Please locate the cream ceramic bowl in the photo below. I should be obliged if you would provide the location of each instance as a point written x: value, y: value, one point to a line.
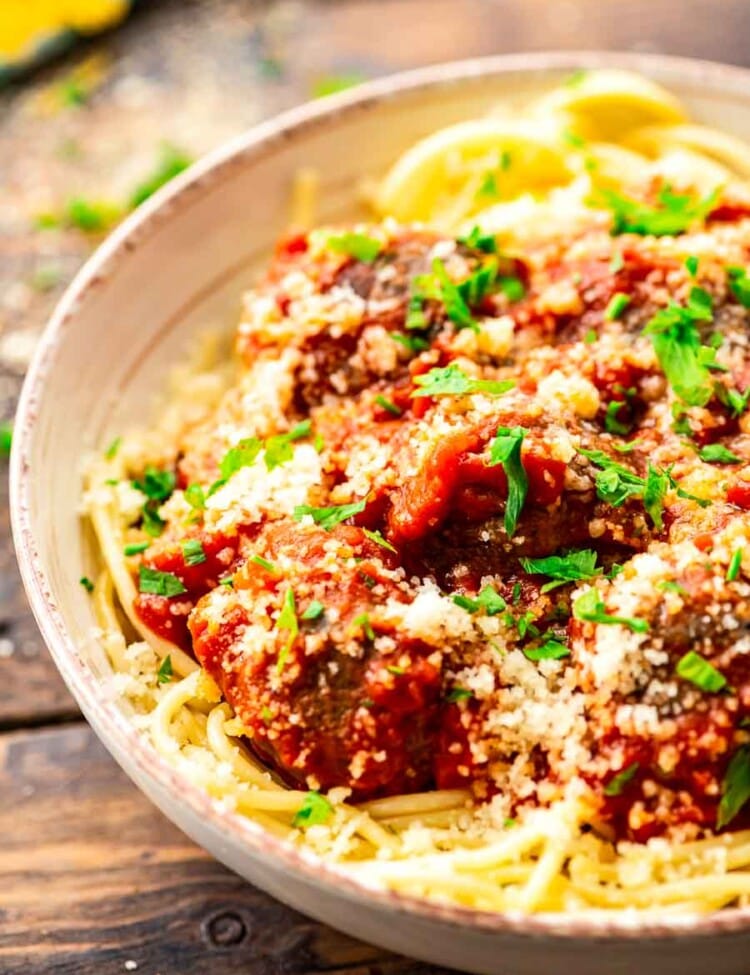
x: 179, y: 264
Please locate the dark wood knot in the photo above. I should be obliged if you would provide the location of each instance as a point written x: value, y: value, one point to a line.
x: 224, y: 930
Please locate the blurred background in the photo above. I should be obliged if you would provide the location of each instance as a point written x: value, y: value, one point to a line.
x: 101, y: 102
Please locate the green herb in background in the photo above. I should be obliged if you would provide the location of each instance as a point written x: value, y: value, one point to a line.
x: 171, y: 163
x: 6, y: 438
x: 331, y: 84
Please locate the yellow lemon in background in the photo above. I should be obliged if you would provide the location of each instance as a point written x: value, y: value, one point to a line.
x: 28, y: 25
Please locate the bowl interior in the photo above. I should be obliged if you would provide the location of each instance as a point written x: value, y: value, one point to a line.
x: 180, y: 265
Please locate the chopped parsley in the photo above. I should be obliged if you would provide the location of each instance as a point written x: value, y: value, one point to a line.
x: 377, y: 537
x: 363, y: 621
x: 243, y: 454
x: 739, y: 284
x: 164, y: 673
x: 571, y: 567
x: 505, y: 449
x: 615, y: 484
x: 159, y: 583
x: 691, y: 265
x: 90, y: 216
x: 479, y: 241
x: 551, y: 649
x: 488, y: 600
x: 227, y: 581
x: 6, y: 439
x: 617, y: 783
x: 332, y: 84
x: 412, y: 343
x: 135, y: 548
x: 359, y: 246
x: 667, y: 585
x: 264, y: 564
x: 111, y: 452
x: 287, y: 621
x: 314, y: 811
x: 733, y: 398
x: 328, y: 518
x: 192, y: 551
x: 735, y: 566
x: 458, y: 694
x: 155, y: 484
x: 87, y: 584
x: 616, y: 306
x: 395, y: 670
x: 716, y: 453
x: 627, y: 448
x: 612, y: 422
x: 673, y: 214
x: 279, y: 449
x: 695, y: 668
x: 314, y: 611
x: 735, y: 788
x: 686, y: 363
x: 590, y: 607
x: 453, y: 381
x: 172, y: 162
x: 388, y: 406
x: 591, y: 336
x: 195, y: 496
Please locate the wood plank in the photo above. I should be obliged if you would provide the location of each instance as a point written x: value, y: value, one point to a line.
x: 32, y: 690
x: 92, y: 876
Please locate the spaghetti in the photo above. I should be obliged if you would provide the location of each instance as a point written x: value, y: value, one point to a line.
x: 448, y: 581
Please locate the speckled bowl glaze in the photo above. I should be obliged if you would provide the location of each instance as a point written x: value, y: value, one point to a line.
x: 178, y: 265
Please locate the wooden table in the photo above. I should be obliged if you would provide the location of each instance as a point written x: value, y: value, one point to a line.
x: 93, y: 880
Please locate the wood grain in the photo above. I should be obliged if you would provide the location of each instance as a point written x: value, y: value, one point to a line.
x: 92, y: 877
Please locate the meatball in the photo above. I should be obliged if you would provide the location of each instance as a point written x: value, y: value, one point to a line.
x: 328, y: 692
x: 668, y: 690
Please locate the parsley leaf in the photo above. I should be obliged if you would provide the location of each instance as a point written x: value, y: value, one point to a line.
x: 363, y: 621
x: 111, y: 452
x: 735, y: 789
x: 155, y: 484
x: 314, y: 611
x: 695, y: 668
x: 328, y: 518
x: 735, y: 566
x: 716, y: 453
x: 195, y: 496
x: 172, y: 162
x: 279, y: 450
x: 479, y: 241
x: 617, y: 783
x: 617, y: 305
x: 676, y: 340
x: 264, y: 564
x: 739, y: 284
x: 551, y: 649
x: 673, y: 214
x: 453, y: 381
x: 135, y: 548
x: 87, y: 584
x: 388, y: 405
x: 571, y: 567
x: 192, y: 551
x: 314, y: 811
x: 590, y: 607
x: 242, y: 455
x: 159, y: 583
x: 164, y: 673
x: 377, y: 537
x: 505, y: 449
x: 459, y: 694
x: 287, y: 621
x: 359, y: 246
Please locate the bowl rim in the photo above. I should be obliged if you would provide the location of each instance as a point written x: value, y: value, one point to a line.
x: 102, y: 712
